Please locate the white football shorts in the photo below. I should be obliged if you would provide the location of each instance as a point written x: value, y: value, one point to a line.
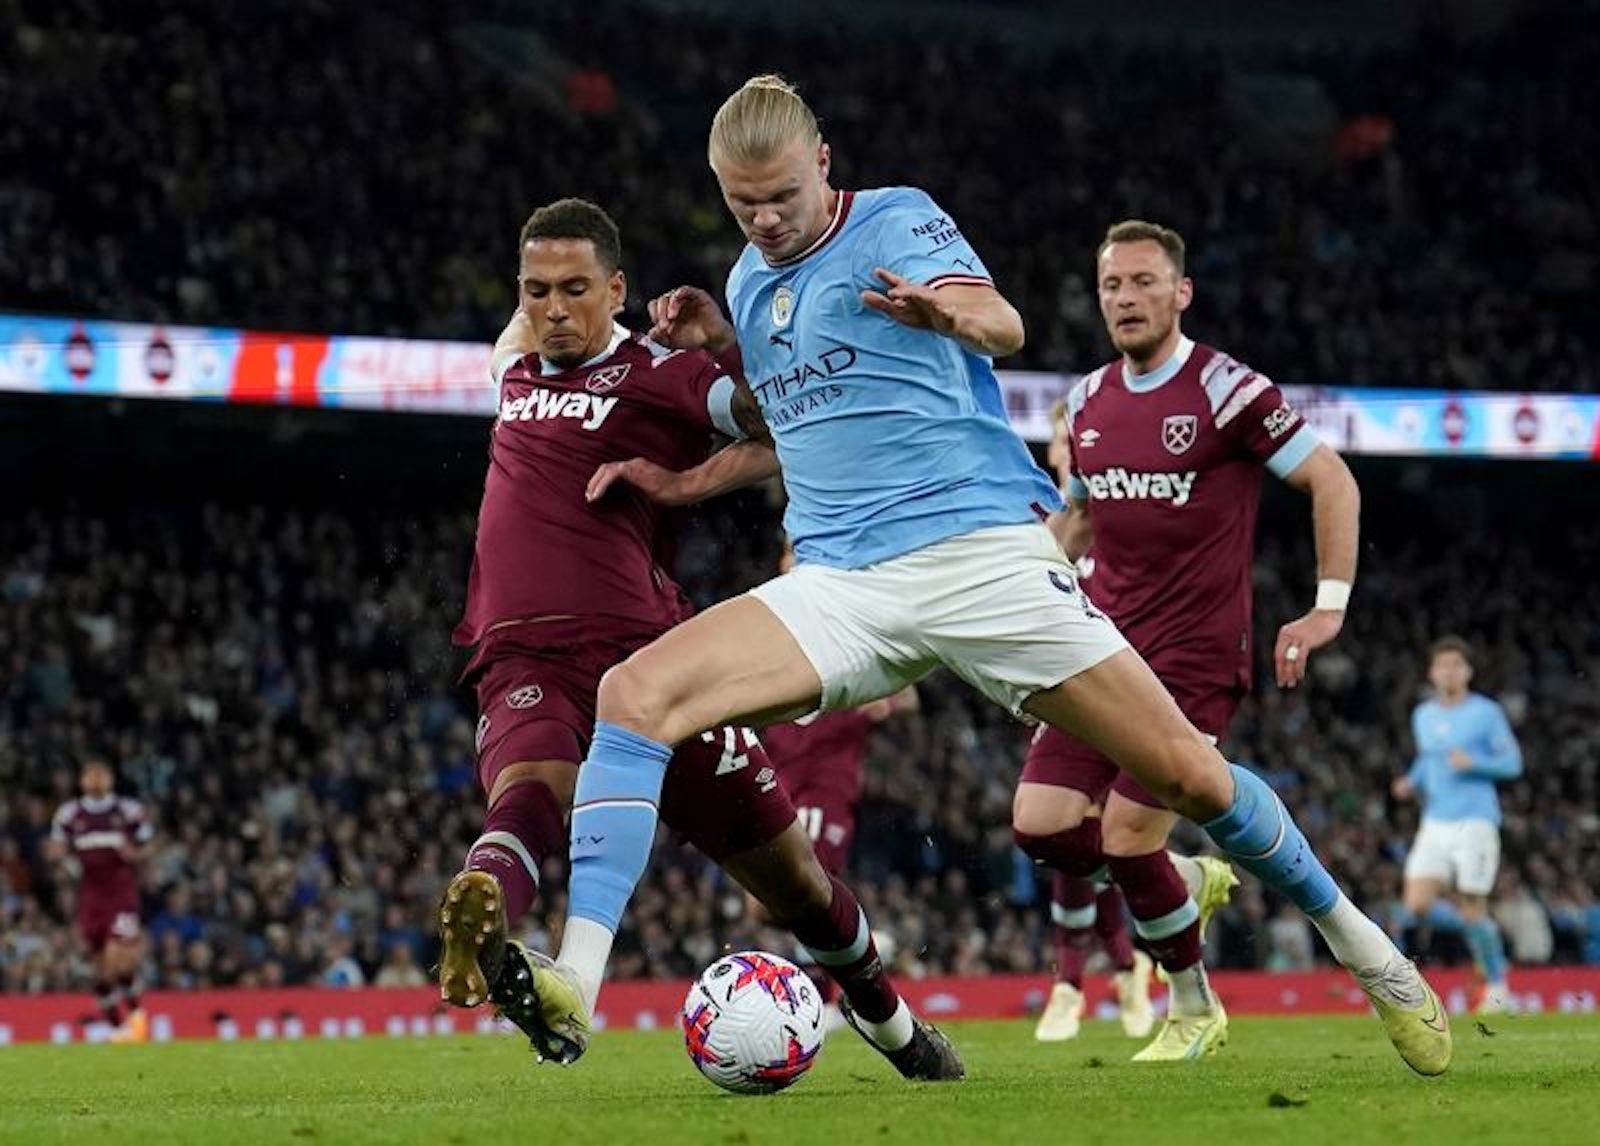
x: 1463, y: 854
x: 1000, y: 607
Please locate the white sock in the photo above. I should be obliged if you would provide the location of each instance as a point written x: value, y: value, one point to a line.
x: 586, y: 948
x: 1356, y: 941
x: 894, y: 1032
x: 1191, y: 992
x: 1190, y: 872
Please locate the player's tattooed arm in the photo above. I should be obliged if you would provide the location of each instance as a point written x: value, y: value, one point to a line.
x: 744, y: 463
x: 978, y: 317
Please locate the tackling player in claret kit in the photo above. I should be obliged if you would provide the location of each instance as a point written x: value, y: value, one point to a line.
x: 568, y: 577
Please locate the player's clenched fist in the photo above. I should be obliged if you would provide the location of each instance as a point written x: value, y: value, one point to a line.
x: 689, y: 319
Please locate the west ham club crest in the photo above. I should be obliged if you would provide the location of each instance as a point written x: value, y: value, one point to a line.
x: 607, y: 379
x: 1178, y: 432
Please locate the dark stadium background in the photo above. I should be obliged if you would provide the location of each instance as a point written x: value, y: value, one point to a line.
x: 216, y: 163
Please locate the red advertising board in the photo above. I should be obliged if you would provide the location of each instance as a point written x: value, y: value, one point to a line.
x: 318, y: 1013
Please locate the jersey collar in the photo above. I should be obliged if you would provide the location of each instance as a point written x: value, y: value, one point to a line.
x: 841, y: 210
x: 1144, y: 383
x: 619, y: 335
x: 97, y: 804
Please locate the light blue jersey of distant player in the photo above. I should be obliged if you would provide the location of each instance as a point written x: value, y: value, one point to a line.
x: 890, y: 438
x: 1478, y: 727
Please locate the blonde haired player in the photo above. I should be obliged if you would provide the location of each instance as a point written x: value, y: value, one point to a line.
x: 868, y: 325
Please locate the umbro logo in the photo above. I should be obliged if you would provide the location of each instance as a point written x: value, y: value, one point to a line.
x: 1088, y: 438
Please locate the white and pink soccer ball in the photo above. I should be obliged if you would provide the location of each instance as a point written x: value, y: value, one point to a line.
x: 752, y: 1023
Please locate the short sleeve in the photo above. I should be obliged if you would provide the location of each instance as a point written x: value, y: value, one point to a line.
x: 1250, y: 411
x: 1077, y: 489
x: 501, y: 362
x: 143, y: 830
x: 703, y: 389
x: 921, y: 241
x: 58, y: 823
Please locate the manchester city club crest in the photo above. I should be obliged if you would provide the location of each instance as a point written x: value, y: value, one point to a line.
x: 608, y: 379
x: 782, y: 307
x: 1178, y: 432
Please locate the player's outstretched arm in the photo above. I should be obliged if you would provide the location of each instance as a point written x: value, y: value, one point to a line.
x: 1336, y: 522
x: 741, y: 464
x: 978, y: 317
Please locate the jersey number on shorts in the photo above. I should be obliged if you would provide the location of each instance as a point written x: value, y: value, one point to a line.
x: 737, y: 743
x: 1072, y: 589
x: 811, y: 822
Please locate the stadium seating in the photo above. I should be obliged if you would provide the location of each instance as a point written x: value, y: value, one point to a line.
x: 1355, y: 215
x: 277, y: 684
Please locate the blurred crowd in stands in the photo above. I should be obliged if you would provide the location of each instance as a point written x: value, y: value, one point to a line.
x: 1419, y: 215
x: 278, y: 687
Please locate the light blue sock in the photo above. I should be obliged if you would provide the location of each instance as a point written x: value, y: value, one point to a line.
x: 1403, y: 920
x: 1488, y: 950
x: 1258, y: 833
x: 614, y: 821
x: 1443, y: 916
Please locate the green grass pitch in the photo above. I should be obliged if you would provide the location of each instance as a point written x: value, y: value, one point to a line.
x: 1294, y: 1080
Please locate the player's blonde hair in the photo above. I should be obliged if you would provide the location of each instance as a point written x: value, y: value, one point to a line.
x: 760, y: 120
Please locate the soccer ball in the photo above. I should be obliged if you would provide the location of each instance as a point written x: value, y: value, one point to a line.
x: 752, y: 1023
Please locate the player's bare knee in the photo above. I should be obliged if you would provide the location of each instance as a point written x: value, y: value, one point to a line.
x: 1194, y: 782
x: 1038, y: 810
x: 633, y: 699
x: 1130, y: 839
x: 559, y: 776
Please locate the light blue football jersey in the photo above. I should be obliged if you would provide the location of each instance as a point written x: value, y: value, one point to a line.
x: 891, y: 438
x: 1478, y: 726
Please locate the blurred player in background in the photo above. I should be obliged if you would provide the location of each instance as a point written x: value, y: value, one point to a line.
x: 868, y: 326
x: 1166, y: 448
x: 565, y: 582
x: 101, y: 836
x: 1465, y: 747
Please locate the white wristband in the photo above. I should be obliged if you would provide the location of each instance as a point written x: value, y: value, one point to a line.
x: 1333, y: 594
